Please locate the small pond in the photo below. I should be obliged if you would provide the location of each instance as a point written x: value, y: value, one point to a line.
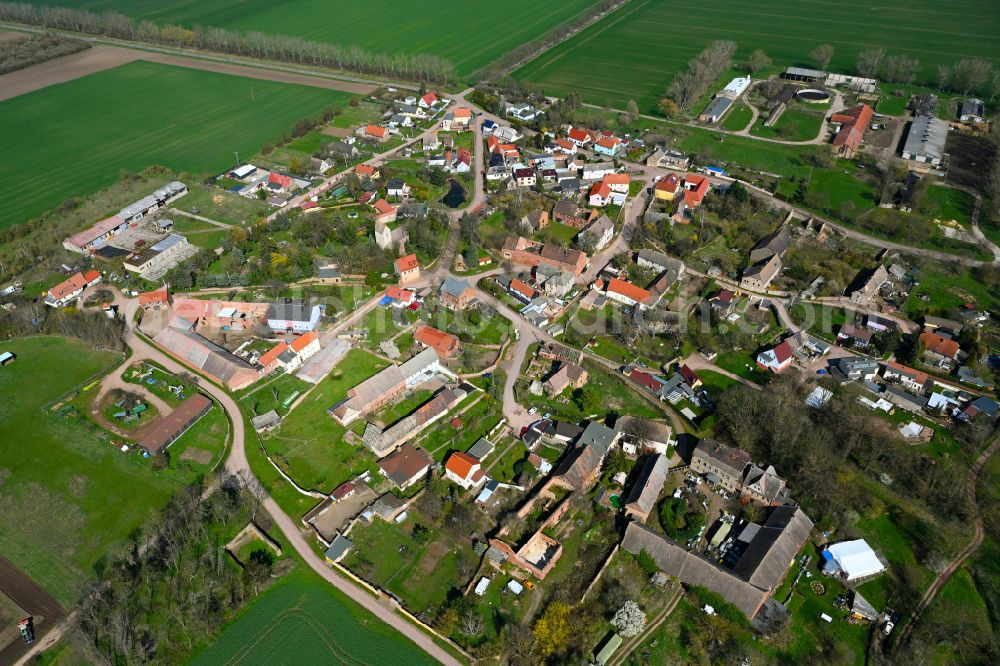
x: 455, y: 196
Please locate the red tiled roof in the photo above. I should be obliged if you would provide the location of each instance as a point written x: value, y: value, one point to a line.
x: 617, y: 179
x: 724, y: 295
x: 407, y: 263
x: 854, y: 123
x: 918, y: 377
x: 609, y: 142
x: 441, y: 342
x: 461, y: 464
x: 689, y: 375
x: 577, y: 134
x: 627, y: 289
x: 399, y: 294
x: 383, y: 207
x: 91, y: 275
x: 272, y: 354
x: 522, y: 287
x: 462, y: 112
x: 783, y: 351
x: 279, y: 179
x: 939, y: 345
x: 67, y: 287
x: 375, y: 130
x: 159, y: 296
x: 566, y: 144
x: 300, y: 343
x: 365, y: 170
x: 669, y: 184
x: 429, y: 98
x: 600, y: 189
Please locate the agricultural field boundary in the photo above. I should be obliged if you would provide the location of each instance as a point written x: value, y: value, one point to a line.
x: 103, y: 57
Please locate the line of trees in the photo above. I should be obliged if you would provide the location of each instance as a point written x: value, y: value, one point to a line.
x: 527, y: 52
x: 283, y: 48
x: 691, y: 85
x: 89, y: 326
x: 17, y: 54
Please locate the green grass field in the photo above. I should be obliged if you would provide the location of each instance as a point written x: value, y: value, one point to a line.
x: 66, y: 499
x: 634, y: 53
x: 303, y: 620
x: 469, y: 36
x: 134, y: 116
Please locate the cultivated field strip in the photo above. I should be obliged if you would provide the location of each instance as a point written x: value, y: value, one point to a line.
x: 634, y: 52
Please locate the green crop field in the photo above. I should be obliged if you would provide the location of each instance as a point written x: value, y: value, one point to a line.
x: 75, y: 138
x: 469, y: 35
x: 303, y: 620
x: 634, y: 52
x: 66, y: 499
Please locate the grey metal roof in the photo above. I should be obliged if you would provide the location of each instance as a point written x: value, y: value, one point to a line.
x: 927, y: 137
x: 454, y: 286
x: 718, y: 107
x: 338, y: 548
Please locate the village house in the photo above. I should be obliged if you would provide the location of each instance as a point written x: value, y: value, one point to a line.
x: 908, y: 378
x: 398, y: 297
x: 405, y: 466
x: 568, y: 375
x: 759, y: 276
x: 155, y: 300
x: 571, y: 214
x: 627, y: 293
x: 939, y: 350
x: 775, y: 243
x: 385, y: 212
x: 445, y: 344
x: 456, y: 293
x: 407, y: 268
x: 290, y: 356
x: 857, y: 336
x: 597, y: 236
x: 397, y: 188
x: 376, y: 133
x: 866, y: 286
x: 69, y: 290
x: 578, y: 469
x: 598, y: 171
x: 733, y: 469
x: 368, y: 171
x: 535, y: 221
x: 608, y: 146
x: 642, y: 435
x: 464, y: 469
x: 389, y: 236
x: 524, y: 177
x: 777, y: 359
x: 521, y: 251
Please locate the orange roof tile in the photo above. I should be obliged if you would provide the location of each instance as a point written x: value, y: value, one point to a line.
x: 383, y: 207
x: 628, y: 290
x: 272, y: 354
x: 939, y: 345
x: 441, y: 342
x: 301, y: 342
x: 375, y: 130
x: 407, y: 263
x: 618, y: 179
x: 461, y: 464
x: 159, y: 296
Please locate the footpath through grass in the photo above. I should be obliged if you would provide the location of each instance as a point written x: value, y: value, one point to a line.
x: 66, y: 498
x: 134, y: 116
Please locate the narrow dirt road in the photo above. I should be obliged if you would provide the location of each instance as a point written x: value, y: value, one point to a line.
x: 977, y: 540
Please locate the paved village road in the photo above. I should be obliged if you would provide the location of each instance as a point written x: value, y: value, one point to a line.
x: 237, y: 464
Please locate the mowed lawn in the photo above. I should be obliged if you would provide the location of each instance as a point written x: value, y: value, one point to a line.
x: 66, y: 499
x: 470, y: 35
x: 75, y: 138
x: 634, y: 52
x: 304, y: 620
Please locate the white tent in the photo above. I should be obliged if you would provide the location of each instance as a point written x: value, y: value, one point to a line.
x: 855, y: 558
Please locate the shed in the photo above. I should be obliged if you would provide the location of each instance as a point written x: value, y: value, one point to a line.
x: 338, y: 548
x: 611, y: 645
x: 481, y: 586
x: 515, y: 587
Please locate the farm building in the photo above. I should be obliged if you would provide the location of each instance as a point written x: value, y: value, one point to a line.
x: 295, y: 316
x: 153, y: 202
x: 642, y: 498
x: 170, y: 427
x: 971, y: 111
x: 753, y: 568
x: 804, y: 75
x: 925, y: 140
x: 853, y: 124
x: 445, y: 344
x: 154, y: 300
x: 95, y: 236
x: 715, y: 110
x: 407, y: 268
x: 160, y: 257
